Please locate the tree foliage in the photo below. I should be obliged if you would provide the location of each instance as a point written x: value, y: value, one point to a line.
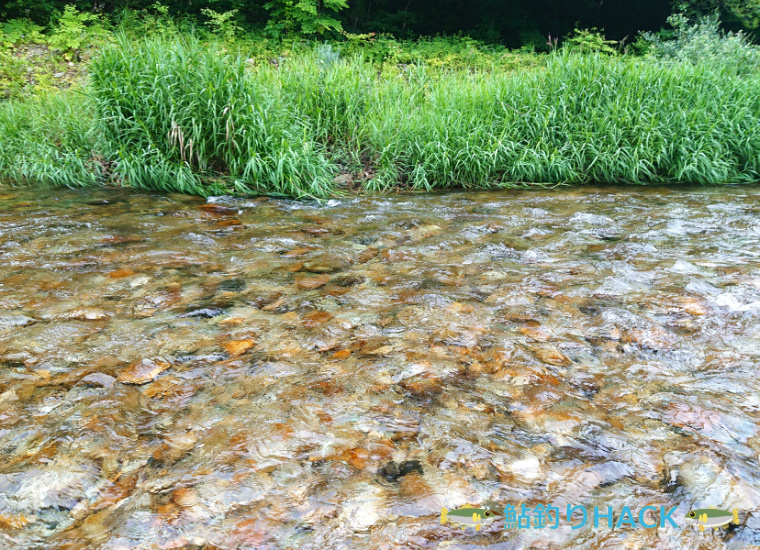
x: 513, y: 23
x: 304, y: 16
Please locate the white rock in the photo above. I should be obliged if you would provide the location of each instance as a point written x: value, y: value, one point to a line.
x: 527, y: 469
x: 140, y: 281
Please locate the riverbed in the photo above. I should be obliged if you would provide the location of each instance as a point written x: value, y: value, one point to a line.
x: 274, y: 374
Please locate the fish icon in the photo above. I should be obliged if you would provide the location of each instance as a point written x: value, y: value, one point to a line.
x: 707, y: 518
x: 467, y: 516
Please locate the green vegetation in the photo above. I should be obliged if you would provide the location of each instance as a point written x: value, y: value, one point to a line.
x: 509, y: 22
x: 705, y: 43
x: 50, y: 139
x: 175, y: 112
x: 180, y: 115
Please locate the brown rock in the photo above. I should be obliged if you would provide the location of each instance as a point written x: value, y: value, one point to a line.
x: 367, y: 255
x: 271, y: 301
x: 51, y: 285
x: 281, y: 431
x: 175, y: 447
x: 185, y: 497
x: 298, y: 251
x: 327, y: 263
x: 355, y: 457
x: 552, y: 356
x: 238, y: 347
x: 523, y: 320
x: 652, y: 338
x: 310, y: 283
x: 232, y: 321
x: 217, y: 210
x: 316, y: 318
x: 118, y: 239
x: 15, y: 522
x: 316, y: 230
x: 694, y: 307
x: 234, y: 222
x: 120, y: 490
x: 381, y: 449
x: 342, y: 354
x: 143, y: 371
x: 392, y: 256
x: 168, y: 512
x: 536, y: 333
x: 426, y: 384
x: 121, y: 273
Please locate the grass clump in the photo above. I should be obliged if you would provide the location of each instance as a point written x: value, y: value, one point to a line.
x: 183, y: 116
x: 584, y: 118
x: 50, y: 139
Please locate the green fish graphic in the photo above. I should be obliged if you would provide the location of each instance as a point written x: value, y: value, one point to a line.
x: 467, y: 516
x: 711, y: 518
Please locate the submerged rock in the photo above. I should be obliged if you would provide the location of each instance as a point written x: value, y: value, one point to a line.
x: 392, y: 471
x: 204, y: 313
x: 310, y: 283
x: 143, y: 371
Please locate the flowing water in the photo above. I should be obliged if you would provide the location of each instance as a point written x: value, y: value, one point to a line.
x: 273, y: 374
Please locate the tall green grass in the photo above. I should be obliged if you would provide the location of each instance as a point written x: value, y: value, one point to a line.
x: 181, y: 115
x: 583, y: 118
x: 50, y: 139
x: 177, y: 114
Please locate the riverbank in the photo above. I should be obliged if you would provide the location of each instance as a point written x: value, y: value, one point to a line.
x: 175, y: 113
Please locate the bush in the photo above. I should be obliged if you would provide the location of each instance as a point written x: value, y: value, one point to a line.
x: 12, y: 73
x: 704, y: 43
x: 223, y: 24
x: 590, y: 40
x: 76, y: 30
x: 303, y: 16
x: 19, y: 31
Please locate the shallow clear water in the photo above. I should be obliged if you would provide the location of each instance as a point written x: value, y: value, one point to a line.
x: 264, y: 373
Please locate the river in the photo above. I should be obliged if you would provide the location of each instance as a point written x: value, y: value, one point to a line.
x: 273, y: 374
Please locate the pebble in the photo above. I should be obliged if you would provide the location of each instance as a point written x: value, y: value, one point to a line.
x: 551, y: 355
x: 238, y: 347
x: 143, y: 371
x: 89, y: 314
x: 99, y: 379
x: 311, y: 283
x: 393, y: 471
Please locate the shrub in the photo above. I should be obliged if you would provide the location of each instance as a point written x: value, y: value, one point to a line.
x: 19, y: 31
x: 50, y: 139
x: 590, y: 40
x: 704, y: 43
x: 303, y: 16
x: 76, y: 30
x: 223, y: 24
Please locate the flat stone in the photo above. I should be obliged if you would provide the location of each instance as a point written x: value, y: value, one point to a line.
x: 143, y: 371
